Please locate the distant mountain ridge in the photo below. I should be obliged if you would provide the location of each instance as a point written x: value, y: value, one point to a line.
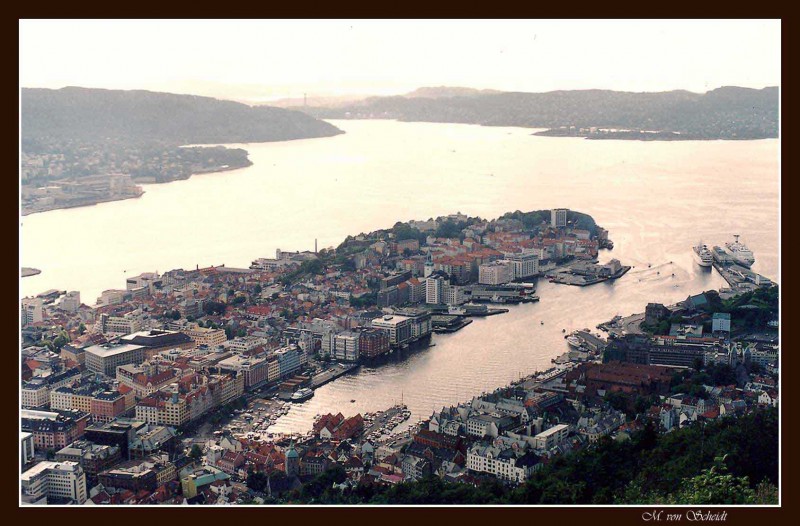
x: 445, y: 92
x: 96, y: 115
x: 341, y: 101
x: 723, y: 113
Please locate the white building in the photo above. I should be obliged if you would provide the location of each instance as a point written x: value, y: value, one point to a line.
x: 551, y: 437
x: 503, y: 463
x: 245, y: 343
x: 35, y: 394
x: 27, y: 447
x: 111, y: 297
x: 558, y: 217
x: 328, y: 341
x: 721, y: 322
x: 399, y: 328
x: 433, y: 289
x: 439, y: 291
x: 32, y: 310
x: 71, y: 301
x: 481, y: 425
x: 128, y: 323
x: 205, y: 336
x: 104, y: 359
x: 496, y: 272
x: 421, y: 324
x: 429, y: 266
x: 36, y: 391
x: 526, y: 264
x: 271, y: 265
x: 47, y: 481
x: 346, y: 346
x: 453, y: 294
x: 148, y: 280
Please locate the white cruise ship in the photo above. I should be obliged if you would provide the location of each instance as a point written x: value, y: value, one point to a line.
x: 702, y: 255
x: 739, y: 252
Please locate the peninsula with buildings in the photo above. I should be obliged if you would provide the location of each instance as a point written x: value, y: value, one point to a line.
x: 84, y: 146
x: 164, y: 392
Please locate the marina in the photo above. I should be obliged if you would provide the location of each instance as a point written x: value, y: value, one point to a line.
x: 379, y: 426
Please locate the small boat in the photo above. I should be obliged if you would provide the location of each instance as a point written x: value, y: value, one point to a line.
x: 563, y: 330
x: 352, y: 401
x: 543, y: 322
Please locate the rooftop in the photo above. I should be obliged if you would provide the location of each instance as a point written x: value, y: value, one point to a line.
x: 106, y: 350
x: 41, y: 467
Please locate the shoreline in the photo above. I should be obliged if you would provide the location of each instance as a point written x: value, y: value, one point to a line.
x: 24, y: 212
x: 30, y: 271
x: 544, y: 131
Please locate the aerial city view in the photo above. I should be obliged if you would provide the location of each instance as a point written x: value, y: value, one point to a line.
x: 384, y: 262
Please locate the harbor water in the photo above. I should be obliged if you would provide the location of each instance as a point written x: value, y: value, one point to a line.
x: 657, y: 199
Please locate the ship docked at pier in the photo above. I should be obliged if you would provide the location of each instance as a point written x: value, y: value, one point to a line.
x: 302, y: 395
x: 702, y: 255
x: 739, y: 252
x: 574, y: 341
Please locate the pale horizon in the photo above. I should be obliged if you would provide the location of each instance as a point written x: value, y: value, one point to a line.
x: 258, y: 61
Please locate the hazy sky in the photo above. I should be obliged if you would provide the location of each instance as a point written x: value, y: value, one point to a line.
x: 264, y: 59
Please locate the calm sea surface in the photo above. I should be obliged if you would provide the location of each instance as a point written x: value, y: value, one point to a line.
x: 656, y: 199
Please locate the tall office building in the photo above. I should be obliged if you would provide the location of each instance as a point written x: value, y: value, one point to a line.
x: 558, y: 217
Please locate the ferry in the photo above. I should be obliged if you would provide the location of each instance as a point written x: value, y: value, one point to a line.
x: 302, y: 395
x: 739, y: 252
x: 702, y: 255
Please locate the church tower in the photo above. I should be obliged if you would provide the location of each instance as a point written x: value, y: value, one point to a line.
x: 292, y: 463
x: 428, y: 265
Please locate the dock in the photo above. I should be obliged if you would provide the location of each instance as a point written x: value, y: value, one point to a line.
x: 331, y: 374
x: 465, y: 311
x: 740, y: 279
x: 443, y: 324
x: 584, y: 273
x: 591, y: 341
